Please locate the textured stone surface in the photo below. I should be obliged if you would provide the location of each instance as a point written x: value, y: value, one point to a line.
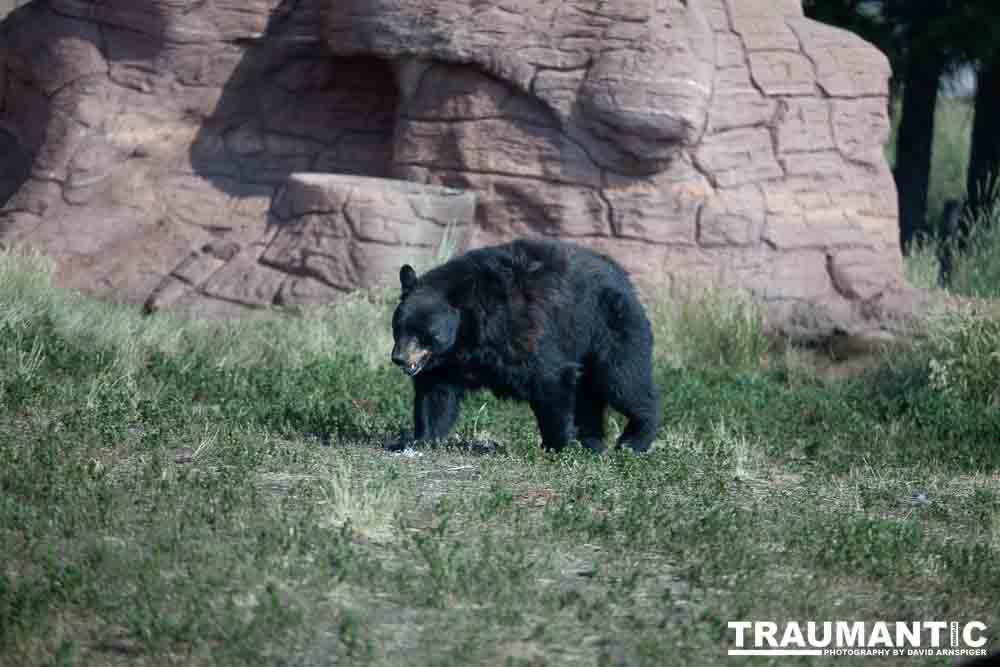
x: 150, y: 146
x: 640, y: 72
x: 331, y: 227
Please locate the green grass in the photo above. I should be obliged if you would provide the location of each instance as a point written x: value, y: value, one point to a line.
x: 949, y: 157
x: 977, y: 272
x: 711, y: 329
x: 175, y: 492
x: 976, y: 268
x: 923, y: 267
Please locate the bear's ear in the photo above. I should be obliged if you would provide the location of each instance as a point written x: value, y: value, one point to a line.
x: 407, y: 278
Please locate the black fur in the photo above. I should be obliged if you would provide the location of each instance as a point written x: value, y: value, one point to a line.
x: 546, y: 322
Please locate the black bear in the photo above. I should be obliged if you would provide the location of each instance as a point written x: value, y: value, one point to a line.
x: 546, y: 322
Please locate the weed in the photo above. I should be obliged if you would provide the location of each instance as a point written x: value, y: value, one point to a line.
x: 370, y: 509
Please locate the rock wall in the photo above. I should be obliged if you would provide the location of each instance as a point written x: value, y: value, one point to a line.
x: 146, y: 141
x: 728, y: 142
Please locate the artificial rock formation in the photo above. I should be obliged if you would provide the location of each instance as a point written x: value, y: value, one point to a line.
x: 148, y: 146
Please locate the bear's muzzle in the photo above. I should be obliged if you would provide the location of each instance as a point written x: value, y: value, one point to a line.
x: 410, y: 357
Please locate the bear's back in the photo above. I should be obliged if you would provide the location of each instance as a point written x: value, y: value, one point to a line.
x: 548, y: 274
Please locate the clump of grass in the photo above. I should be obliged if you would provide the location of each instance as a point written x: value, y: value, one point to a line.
x: 923, y: 268
x: 965, y: 354
x: 713, y: 328
x: 25, y: 286
x: 976, y: 271
x: 732, y: 448
x: 368, y: 508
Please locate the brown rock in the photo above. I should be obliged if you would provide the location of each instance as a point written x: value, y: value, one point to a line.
x: 155, y: 149
x: 782, y: 73
x: 738, y: 157
x: 818, y: 166
x: 314, y: 245
x: 445, y: 92
x: 659, y: 209
x: 820, y: 230
x: 717, y: 15
x: 244, y: 280
x: 861, y: 128
x: 799, y: 275
x: 764, y: 31
x: 764, y: 8
x: 846, y: 65
x: 198, y: 267
x: 803, y: 125
x: 861, y: 274
x: 732, y: 218
x: 497, y: 146
x: 49, y: 51
x: 511, y: 207
x: 738, y: 103
x: 332, y: 227
x: 305, y: 291
x: 238, y: 208
x: 729, y: 53
x: 647, y: 85
x: 357, y: 153
x: 92, y: 163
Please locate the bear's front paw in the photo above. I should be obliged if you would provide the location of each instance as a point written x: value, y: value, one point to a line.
x: 398, y: 444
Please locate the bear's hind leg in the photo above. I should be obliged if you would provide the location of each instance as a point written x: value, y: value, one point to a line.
x: 628, y: 369
x: 590, y: 414
x: 633, y: 394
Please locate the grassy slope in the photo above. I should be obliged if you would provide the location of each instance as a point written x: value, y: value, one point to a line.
x: 173, y: 493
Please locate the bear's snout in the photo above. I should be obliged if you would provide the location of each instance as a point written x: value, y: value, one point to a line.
x: 410, y: 357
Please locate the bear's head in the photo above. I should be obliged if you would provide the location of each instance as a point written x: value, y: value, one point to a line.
x: 424, y: 325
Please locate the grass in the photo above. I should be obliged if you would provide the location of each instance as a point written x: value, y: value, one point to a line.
x: 949, y: 155
x: 176, y: 492
x: 977, y: 272
x: 714, y: 329
x: 976, y: 268
x: 922, y: 263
